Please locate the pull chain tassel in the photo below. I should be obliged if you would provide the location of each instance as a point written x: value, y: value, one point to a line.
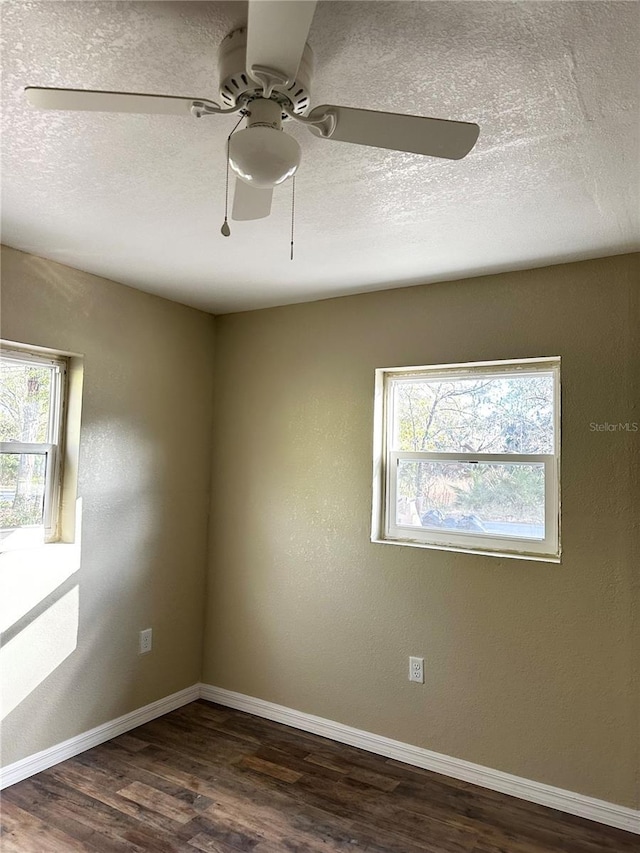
x: 225, y: 230
x: 293, y: 210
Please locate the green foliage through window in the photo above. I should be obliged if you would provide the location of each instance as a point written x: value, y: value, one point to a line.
x: 453, y: 435
x: 26, y: 396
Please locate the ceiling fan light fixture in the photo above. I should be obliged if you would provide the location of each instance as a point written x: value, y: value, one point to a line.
x: 264, y: 157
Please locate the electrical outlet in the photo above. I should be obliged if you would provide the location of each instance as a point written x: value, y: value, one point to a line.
x: 416, y: 670
x: 146, y: 640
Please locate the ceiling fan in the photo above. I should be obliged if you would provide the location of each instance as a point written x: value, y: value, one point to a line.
x: 265, y: 74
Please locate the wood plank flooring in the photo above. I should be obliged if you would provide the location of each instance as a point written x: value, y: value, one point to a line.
x: 206, y: 778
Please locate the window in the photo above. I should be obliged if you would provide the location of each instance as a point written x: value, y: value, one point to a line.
x: 467, y: 457
x: 31, y: 409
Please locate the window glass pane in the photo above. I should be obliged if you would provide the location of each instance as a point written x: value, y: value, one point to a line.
x: 497, y: 498
x: 25, y: 401
x: 22, y: 483
x: 485, y: 414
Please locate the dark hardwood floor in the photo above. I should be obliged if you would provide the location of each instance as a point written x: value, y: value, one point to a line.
x: 215, y: 780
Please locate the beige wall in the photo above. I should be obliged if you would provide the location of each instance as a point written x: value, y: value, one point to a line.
x: 144, y: 482
x: 529, y: 666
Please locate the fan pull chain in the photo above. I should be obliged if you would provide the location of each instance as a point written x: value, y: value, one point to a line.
x: 293, y: 210
x: 225, y: 230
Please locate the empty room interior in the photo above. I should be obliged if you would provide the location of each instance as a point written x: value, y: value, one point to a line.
x: 320, y: 426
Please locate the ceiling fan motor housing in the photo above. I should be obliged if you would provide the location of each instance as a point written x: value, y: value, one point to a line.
x: 235, y: 82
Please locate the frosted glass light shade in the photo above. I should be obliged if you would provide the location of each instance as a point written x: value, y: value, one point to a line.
x: 263, y: 156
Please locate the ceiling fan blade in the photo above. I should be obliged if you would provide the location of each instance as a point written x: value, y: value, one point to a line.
x: 110, y: 102
x: 250, y: 202
x: 277, y: 32
x: 434, y: 137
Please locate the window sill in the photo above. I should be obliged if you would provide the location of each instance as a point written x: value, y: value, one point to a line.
x: 27, y: 576
x: 538, y: 558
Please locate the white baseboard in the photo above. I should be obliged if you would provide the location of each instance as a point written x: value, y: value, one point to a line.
x: 32, y: 764
x: 601, y: 811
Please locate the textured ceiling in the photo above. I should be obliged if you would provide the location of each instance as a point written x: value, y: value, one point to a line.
x: 139, y: 199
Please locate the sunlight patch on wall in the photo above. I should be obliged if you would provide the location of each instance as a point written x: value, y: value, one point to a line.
x: 27, y: 577
x: 34, y: 653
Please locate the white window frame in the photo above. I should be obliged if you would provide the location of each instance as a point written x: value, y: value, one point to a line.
x: 384, y: 527
x: 52, y: 450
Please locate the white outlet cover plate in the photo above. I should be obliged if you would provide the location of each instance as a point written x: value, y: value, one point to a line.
x: 146, y: 639
x: 416, y: 670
